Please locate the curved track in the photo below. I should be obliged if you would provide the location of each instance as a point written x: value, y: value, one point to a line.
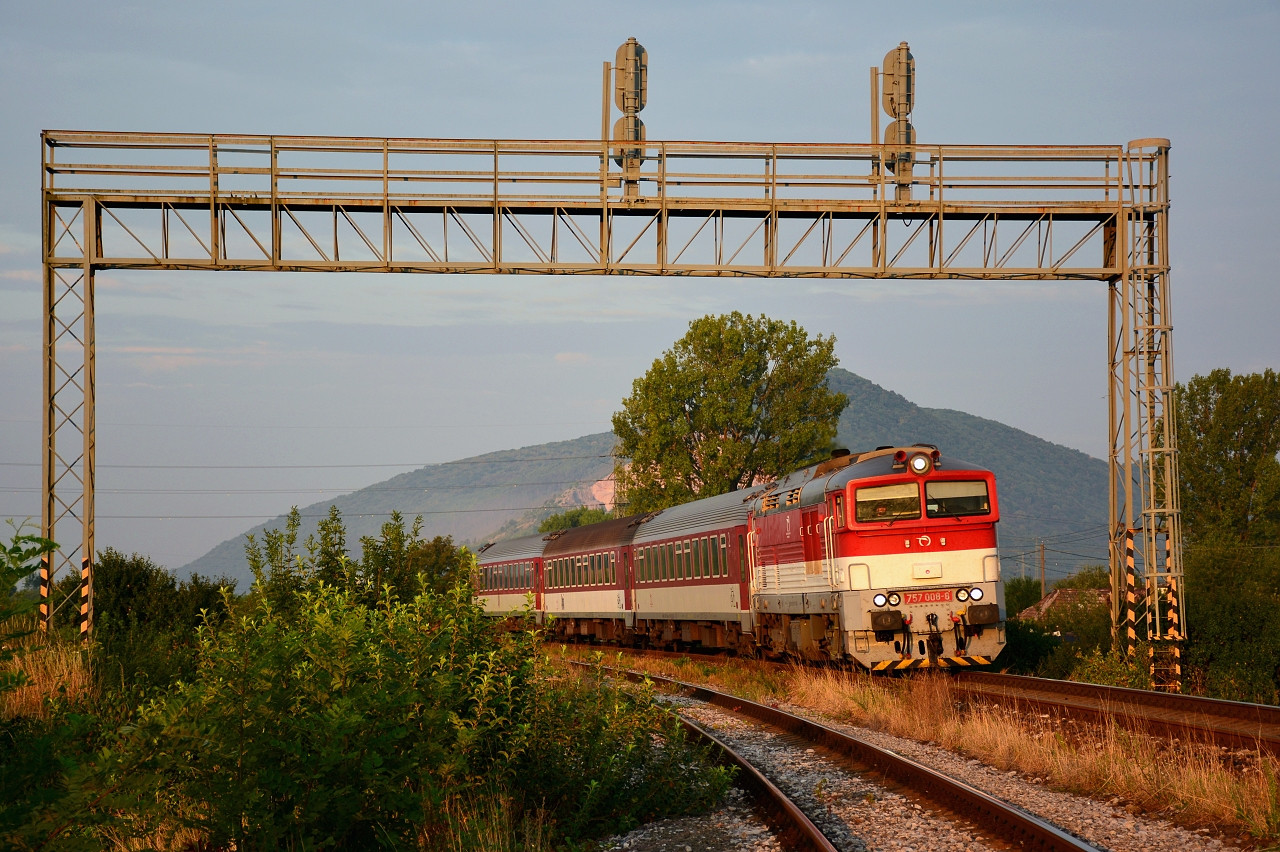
x: 1001, y: 820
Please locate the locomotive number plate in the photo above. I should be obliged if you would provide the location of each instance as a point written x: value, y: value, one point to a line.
x: 931, y: 596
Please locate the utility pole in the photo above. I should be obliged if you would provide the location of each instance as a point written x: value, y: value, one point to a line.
x: 1043, y: 592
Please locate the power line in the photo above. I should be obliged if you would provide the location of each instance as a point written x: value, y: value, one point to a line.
x: 325, y: 515
x: 305, y: 489
x: 502, y: 461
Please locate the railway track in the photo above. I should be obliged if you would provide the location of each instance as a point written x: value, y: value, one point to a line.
x: 1232, y: 724
x: 1001, y: 824
x: 1227, y: 723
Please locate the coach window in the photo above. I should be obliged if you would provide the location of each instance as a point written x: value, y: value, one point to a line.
x: 716, y: 547
x: 888, y: 502
x: 697, y: 558
x: 954, y: 499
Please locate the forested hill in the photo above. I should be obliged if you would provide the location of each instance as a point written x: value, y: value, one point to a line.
x: 1047, y: 491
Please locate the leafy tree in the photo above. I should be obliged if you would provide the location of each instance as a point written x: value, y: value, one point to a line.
x: 327, y: 551
x: 579, y: 516
x: 1228, y: 438
x: 1234, y: 646
x: 737, y: 400
x: 1020, y: 593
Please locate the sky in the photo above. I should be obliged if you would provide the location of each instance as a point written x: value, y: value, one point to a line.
x: 225, y: 398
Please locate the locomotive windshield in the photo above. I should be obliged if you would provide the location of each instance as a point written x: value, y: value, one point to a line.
x: 954, y: 499
x: 887, y: 502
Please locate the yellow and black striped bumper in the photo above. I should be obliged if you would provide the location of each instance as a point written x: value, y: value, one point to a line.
x: 924, y: 663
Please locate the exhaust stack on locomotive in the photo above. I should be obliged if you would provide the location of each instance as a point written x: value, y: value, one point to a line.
x: 887, y: 558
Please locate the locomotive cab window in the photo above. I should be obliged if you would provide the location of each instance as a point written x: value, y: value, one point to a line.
x: 956, y: 499
x: 887, y: 502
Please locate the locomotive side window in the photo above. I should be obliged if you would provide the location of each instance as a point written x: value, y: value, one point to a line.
x: 837, y: 509
x: 887, y: 502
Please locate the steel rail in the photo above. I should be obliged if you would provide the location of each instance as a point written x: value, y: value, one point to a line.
x: 1232, y: 723
x: 793, y: 828
x: 1000, y: 818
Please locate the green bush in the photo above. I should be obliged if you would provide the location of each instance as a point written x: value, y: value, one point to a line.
x: 1112, y: 668
x: 146, y: 623
x: 339, y: 725
x: 1027, y: 645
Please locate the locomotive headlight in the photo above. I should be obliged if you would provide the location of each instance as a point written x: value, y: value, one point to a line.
x: 962, y: 595
x: 895, y: 599
x: 975, y: 593
x: 880, y: 599
x: 920, y: 464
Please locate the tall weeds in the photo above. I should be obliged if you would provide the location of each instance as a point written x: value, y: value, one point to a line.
x: 46, y: 669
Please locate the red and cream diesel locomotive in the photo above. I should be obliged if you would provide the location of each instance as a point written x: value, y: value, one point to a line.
x: 887, y: 558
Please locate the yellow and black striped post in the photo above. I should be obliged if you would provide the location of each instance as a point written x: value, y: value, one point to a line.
x: 1175, y: 626
x: 45, y: 611
x: 86, y: 599
x: 1130, y: 596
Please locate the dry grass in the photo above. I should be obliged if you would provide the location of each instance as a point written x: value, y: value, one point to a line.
x: 55, y: 669
x: 1189, y: 783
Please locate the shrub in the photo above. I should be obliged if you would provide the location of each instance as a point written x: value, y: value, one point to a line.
x: 339, y: 725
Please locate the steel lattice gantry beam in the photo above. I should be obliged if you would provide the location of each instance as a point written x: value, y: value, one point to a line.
x: 277, y: 203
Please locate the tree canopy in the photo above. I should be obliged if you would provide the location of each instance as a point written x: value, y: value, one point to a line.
x: 1228, y: 438
x: 738, y: 399
x: 578, y: 516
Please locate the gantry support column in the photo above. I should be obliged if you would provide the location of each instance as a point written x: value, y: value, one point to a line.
x: 1143, y: 461
x: 71, y: 243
